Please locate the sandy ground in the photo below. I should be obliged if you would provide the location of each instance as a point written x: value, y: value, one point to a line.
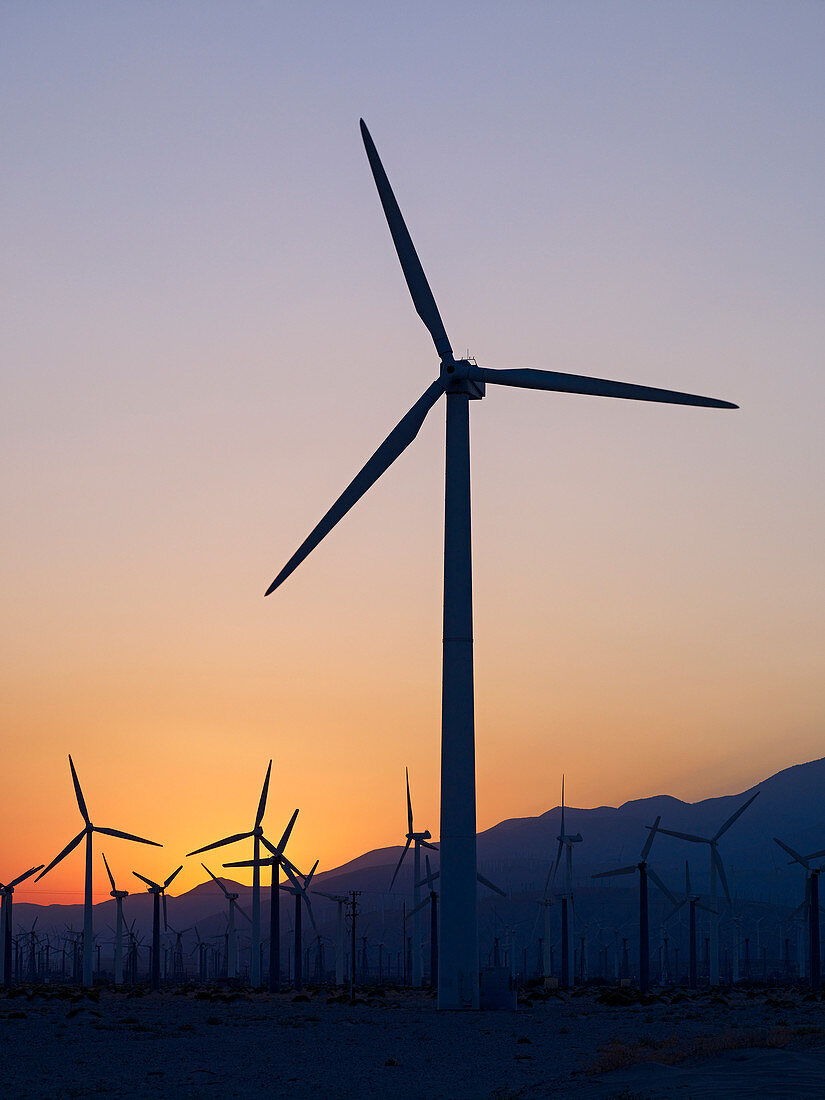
x: 197, y: 1044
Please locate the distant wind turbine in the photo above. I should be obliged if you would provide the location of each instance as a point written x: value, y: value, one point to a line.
x: 462, y: 381
x: 158, y: 891
x: 420, y: 840
x: 231, y: 932
x: 566, y: 842
x: 717, y: 868
x: 118, y: 895
x: 87, y: 831
x: 812, y: 899
x: 691, y: 899
x: 256, y: 834
x: 645, y: 872
x: 6, y: 912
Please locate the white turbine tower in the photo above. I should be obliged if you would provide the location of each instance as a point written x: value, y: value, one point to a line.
x: 420, y: 840
x: 717, y: 872
x: 87, y: 831
x: 462, y: 381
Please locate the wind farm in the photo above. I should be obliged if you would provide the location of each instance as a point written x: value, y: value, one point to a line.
x: 584, y: 622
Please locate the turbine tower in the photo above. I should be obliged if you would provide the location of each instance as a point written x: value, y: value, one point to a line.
x: 87, y: 831
x: 231, y: 933
x: 461, y: 381
x: 421, y: 840
x: 812, y: 900
x: 716, y: 869
x: 566, y: 842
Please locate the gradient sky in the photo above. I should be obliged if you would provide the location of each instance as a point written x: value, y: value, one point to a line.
x: 206, y: 333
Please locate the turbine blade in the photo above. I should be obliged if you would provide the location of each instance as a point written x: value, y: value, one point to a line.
x: 81, y: 801
x: 676, y: 909
x: 395, y: 444
x: 70, y: 847
x: 650, y: 838
x: 529, y: 379
x: 651, y: 874
x: 174, y: 875
x: 794, y: 855
x: 559, y: 852
x: 409, y: 803
x: 148, y: 881
x: 422, y: 296
x: 562, y: 805
x: 220, y: 843
x: 287, y: 834
x: 125, y: 836
x: 433, y: 847
x: 267, y: 861
x: 226, y: 892
x: 618, y: 871
x: 262, y: 804
x: 419, y: 907
x: 490, y: 885
x: 243, y: 912
x: 685, y: 836
x: 733, y: 817
x: 108, y: 872
x: 717, y: 859
x: 26, y: 874
x: 401, y: 860
x: 308, y: 904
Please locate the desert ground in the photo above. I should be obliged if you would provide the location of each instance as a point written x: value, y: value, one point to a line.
x: 204, y: 1043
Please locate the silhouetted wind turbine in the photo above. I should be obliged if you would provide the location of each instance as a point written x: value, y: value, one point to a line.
x: 812, y: 882
x: 420, y: 840
x: 256, y: 833
x: 462, y: 381
x: 566, y: 842
x: 645, y: 872
x: 158, y: 891
x: 118, y: 895
x: 692, y: 900
x: 232, y: 939
x: 87, y: 831
x: 6, y: 913
x: 716, y: 868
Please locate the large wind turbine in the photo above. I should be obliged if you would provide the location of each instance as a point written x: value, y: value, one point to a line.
x: 812, y: 899
x: 462, y: 381
x: 87, y: 831
x: 717, y: 868
x: 256, y: 833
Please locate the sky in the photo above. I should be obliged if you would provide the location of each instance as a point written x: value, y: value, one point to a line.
x: 206, y: 333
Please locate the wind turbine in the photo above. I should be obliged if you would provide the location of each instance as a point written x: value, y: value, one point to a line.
x: 716, y: 868
x: 158, y: 891
x: 232, y: 941
x: 118, y: 895
x: 420, y: 840
x: 566, y: 842
x: 812, y: 899
x: 461, y: 381
x: 299, y: 892
x: 256, y: 833
x: 432, y: 900
x: 691, y: 899
x: 6, y: 897
x: 87, y: 831
x: 275, y: 861
x: 645, y: 872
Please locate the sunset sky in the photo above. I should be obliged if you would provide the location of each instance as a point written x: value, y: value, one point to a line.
x: 206, y: 333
